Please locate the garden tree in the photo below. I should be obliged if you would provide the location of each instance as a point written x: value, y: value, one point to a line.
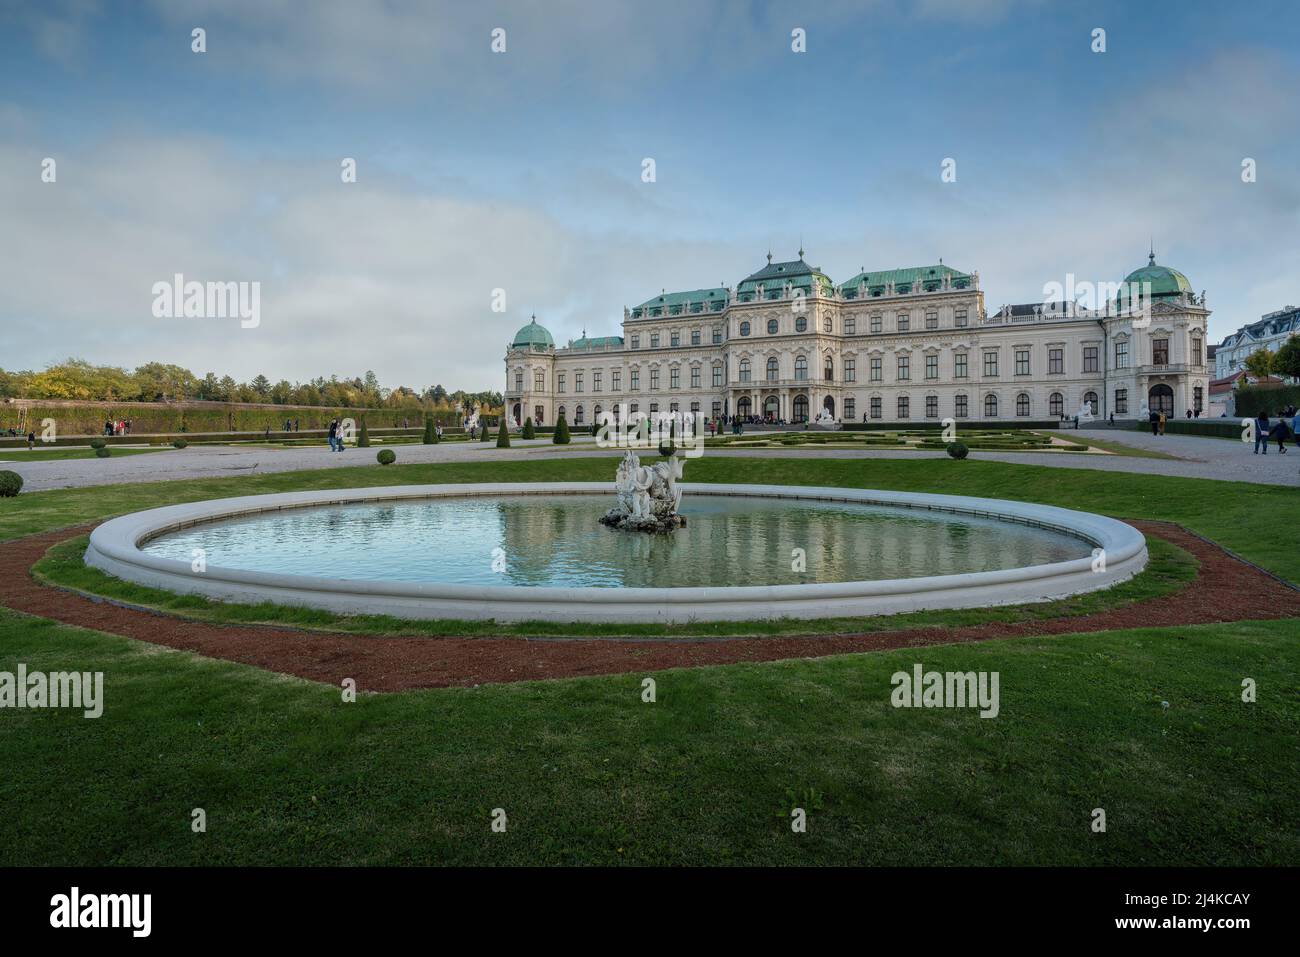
x: 1286, y: 361
x: 261, y: 386
x: 503, y: 435
x: 438, y: 394
x: 363, y: 435
x: 1259, y: 363
x: 529, y: 432
x: 483, y: 430
x: 561, y: 434
x: 282, y: 392
x: 430, y: 431
x: 161, y: 381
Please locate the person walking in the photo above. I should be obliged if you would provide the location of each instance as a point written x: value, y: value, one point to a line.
x: 1154, y: 418
x: 31, y: 441
x: 333, y: 432
x: 1261, y: 433
x: 1279, y: 433
x: 1162, y: 423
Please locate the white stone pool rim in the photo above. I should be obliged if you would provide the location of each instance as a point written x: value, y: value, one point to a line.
x: 115, y: 548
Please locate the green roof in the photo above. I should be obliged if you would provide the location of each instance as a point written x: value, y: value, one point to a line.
x: 682, y: 303
x: 596, y: 342
x: 931, y: 278
x: 532, y: 336
x: 774, y: 276
x: 1165, y: 282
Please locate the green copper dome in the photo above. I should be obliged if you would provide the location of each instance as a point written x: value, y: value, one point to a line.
x: 533, y: 336
x: 1164, y: 281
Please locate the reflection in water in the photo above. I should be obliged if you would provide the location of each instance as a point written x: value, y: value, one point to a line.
x: 558, y: 542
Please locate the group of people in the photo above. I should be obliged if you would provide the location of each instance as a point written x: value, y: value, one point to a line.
x: 291, y: 425
x: 1278, y: 431
x: 336, y: 435
x: 117, y: 426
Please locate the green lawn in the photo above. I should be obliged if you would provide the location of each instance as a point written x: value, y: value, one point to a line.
x: 290, y: 774
x: 586, y: 773
x: 38, y: 454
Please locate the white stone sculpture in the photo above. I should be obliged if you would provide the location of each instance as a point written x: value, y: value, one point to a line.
x: 647, y: 496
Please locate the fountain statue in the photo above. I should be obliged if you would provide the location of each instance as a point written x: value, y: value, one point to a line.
x: 647, y: 495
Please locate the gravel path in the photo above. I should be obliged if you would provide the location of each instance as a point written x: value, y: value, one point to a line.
x: 1197, y: 458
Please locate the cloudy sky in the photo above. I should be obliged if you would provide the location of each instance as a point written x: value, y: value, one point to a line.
x: 522, y: 170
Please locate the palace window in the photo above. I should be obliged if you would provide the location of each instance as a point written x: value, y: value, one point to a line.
x: 904, y: 407
x: 959, y: 365
x: 990, y: 406
x: 990, y: 363
x: 1022, y: 404
x: 932, y: 407
x: 634, y: 380
x: 829, y: 369
x: 1089, y: 358
x: 1121, y: 354
x: 772, y: 373
x: 961, y: 407
x: 1055, y: 361
x: 1196, y: 351
x: 801, y: 367
x: 654, y: 340
x: 717, y: 376
x: 801, y: 324
x: 1056, y: 405
x: 675, y: 378
x: 851, y: 326
x: 850, y: 371
x: 717, y: 335
x: 1090, y: 399
x: 675, y: 339
x: 850, y: 409
x: 932, y: 319
x: 695, y: 377
x: 577, y: 382
x: 559, y: 382
x: 1022, y: 362
x: 616, y: 380
x: 876, y: 374
x: 959, y: 318
x: 695, y: 410
x: 634, y: 408
x: 577, y: 416
x: 519, y: 381
x: 1121, y: 401
x: 744, y: 370
x: 636, y: 342
x: 695, y: 337
x: 561, y: 412
x: 875, y: 323
x: 904, y: 322
x: 654, y: 407
x: 539, y: 381
x: 904, y: 368
x: 1160, y: 352
x: 744, y: 328
x: 826, y: 325
x: 771, y: 327
x: 1198, y: 395
x: 932, y: 367
x: 654, y: 378
x: 595, y: 381
x: 875, y: 407
x: 717, y: 410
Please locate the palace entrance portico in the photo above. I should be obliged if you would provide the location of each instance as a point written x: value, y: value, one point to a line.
x: 790, y: 404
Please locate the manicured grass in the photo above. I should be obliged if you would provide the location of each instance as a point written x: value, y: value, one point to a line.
x: 587, y: 773
x: 1241, y: 516
x: 1170, y: 568
x: 1089, y: 438
x: 38, y: 454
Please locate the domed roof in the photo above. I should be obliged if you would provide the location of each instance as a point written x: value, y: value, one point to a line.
x: 1164, y: 281
x: 532, y: 336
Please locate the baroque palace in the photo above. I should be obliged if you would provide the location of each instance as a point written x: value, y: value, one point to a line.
x: 900, y: 346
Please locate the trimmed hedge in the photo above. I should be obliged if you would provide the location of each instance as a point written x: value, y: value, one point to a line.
x: 179, y: 444
x: 958, y: 450
x: 910, y: 425
x: 1252, y: 400
x: 503, y: 435
x: 529, y: 431
x: 1226, y: 428
x: 11, y: 483
x: 386, y: 457
x: 103, y: 452
x: 561, y: 434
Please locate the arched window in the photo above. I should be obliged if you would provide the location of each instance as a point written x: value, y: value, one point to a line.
x: 801, y: 367
x: 801, y: 324
x: 772, y: 369
x: 771, y: 327
x: 744, y: 328
x: 1091, y: 399
x: 799, y: 408
x: 561, y: 412
x: 744, y: 370
x: 990, y: 406
x: 577, y: 416
x: 1022, y: 404
x: 595, y: 414
x: 1056, y: 405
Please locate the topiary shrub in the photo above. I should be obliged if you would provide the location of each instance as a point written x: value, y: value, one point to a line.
x: 179, y: 444
x: 503, y: 435
x: 386, y: 457
x: 103, y: 452
x: 529, y: 431
x: 430, y: 431
x: 97, y: 443
x: 10, y: 483
x: 561, y: 434
x: 958, y: 450
x: 363, y: 436
x: 482, y: 432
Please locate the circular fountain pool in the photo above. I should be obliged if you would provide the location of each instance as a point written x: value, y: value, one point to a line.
x: 521, y: 552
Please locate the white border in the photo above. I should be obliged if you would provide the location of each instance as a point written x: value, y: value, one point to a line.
x: 114, y: 548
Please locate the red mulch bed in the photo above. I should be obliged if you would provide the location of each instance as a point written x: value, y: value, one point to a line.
x: 1226, y: 589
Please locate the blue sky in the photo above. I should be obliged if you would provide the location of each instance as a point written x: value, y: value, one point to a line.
x: 521, y: 170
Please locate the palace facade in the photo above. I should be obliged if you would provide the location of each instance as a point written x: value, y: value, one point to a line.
x: 898, y: 346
